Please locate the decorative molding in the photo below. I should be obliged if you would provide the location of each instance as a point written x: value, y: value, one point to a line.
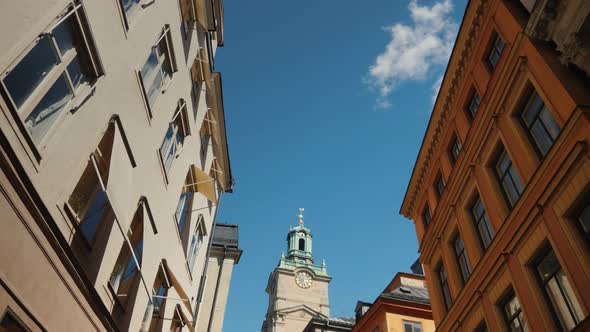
x: 454, y: 77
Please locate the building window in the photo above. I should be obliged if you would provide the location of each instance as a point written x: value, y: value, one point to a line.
x: 177, y: 321
x: 132, y: 10
x: 495, y: 51
x: 513, y: 313
x: 539, y: 123
x: 439, y: 185
x: 187, y: 11
x: 484, y: 230
x: 196, y: 242
x: 508, y: 178
x: 159, y: 293
x: 473, y: 104
x: 183, y: 210
x: 302, y: 244
x: 174, y: 138
x: 47, y: 81
x: 89, y: 203
x: 444, y: 286
x: 157, y: 71
x: 11, y: 323
x: 126, y: 272
x: 558, y: 290
x: 410, y: 326
x: 455, y: 149
x: 583, y: 217
x: 482, y: 327
x: 461, y: 258
x: 426, y: 216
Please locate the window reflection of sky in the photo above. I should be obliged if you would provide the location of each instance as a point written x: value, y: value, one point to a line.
x: 94, y: 215
x: 31, y: 70
x: 47, y: 111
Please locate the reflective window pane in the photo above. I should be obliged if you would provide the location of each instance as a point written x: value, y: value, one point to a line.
x: 94, y: 215
x: 130, y: 7
x: 49, y: 108
x: 163, y: 54
x: 77, y: 74
x: 559, y: 291
x: 539, y: 123
x: 65, y: 35
x: 32, y: 69
x: 150, y: 68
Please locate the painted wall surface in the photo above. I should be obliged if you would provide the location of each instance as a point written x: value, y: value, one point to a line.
x: 288, y: 299
x: 395, y: 323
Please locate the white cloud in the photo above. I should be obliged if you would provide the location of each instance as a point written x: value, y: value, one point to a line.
x: 414, y: 49
x: 436, y: 88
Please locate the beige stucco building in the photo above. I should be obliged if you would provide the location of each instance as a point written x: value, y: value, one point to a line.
x: 113, y: 160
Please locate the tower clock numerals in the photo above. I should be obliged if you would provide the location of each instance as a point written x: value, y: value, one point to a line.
x: 303, y: 279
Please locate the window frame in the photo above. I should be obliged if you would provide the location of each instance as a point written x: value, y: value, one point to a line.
x: 180, y: 116
x: 426, y: 212
x: 161, y: 276
x: 519, y: 315
x: 493, y: 49
x: 412, y: 325
x: 166, y: 36
x: 130, y: 20
x: 134, y: 257
x: 545, y: 251
x: 443, y: 281
x: 10, y: 312
x: 478, y: 219
x: 439, y: 185
x: 461, y: 255
x: 193, y: 15
x: 74, y: 216
x: 474, y: 98
x: 527, y: 101
x: 193, y: 252
x: 580, y: 205
x: 83, y: 52
x: 508, y: 174
x: 454, y: 149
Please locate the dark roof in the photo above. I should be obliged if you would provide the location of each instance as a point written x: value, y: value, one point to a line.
x: 342, y: 321
x: 409, y: 294
x: 225, y: 235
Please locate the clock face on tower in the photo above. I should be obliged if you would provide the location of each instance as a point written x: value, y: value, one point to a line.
x: 303, y: 279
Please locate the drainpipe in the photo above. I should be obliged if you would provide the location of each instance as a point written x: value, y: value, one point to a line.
x: 204, y: 275
x: 217, y: 289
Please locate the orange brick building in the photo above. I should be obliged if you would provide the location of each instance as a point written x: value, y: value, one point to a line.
x: 500, y: 192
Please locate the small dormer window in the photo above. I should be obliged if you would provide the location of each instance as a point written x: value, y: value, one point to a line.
x: 302, y: 244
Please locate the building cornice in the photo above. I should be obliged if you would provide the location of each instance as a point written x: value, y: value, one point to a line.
x: 467, y: 38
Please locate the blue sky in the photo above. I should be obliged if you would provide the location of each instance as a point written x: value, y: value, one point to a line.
x: 326, y: 104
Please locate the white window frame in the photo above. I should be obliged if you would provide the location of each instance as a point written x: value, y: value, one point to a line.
x: 172, y: 144
x: 194, y: 251
x: 79, y: 94
x: 166, y: 81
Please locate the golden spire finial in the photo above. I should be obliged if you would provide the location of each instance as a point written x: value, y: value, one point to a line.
x: 301, y: 216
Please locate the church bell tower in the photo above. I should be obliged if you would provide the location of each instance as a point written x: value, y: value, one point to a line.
x: 297, y: 288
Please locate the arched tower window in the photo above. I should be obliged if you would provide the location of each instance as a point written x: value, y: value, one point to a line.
x: 302, y: 244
